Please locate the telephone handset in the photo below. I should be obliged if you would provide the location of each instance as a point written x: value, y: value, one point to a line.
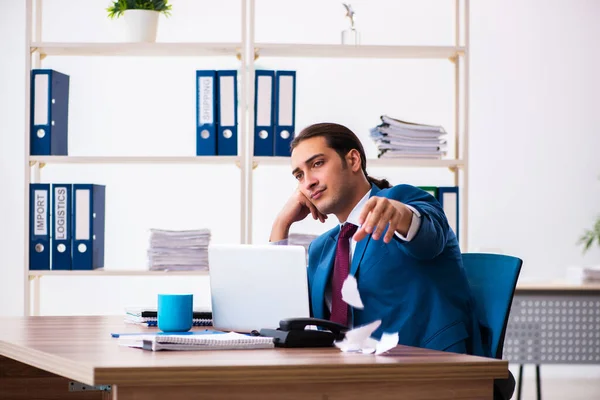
x: 292, y: 332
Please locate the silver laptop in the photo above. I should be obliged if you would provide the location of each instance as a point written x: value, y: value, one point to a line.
x: 255, y: 286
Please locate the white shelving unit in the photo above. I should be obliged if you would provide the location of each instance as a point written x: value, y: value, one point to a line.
x: 43, y: 160
x: 457, y: 54
x: 39, y: 50
x: 363, y: 51
x: 137, y: 49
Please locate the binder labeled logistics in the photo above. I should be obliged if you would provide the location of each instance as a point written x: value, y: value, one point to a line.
x: 61, y: 229
x: 285, y: 95
x: 49, y: 115
x: 88, y: 226
x: 448, y: 198
x: 206, y: 112
x: 227, y: 142
x: 264, y: 112
x: 39, y: 230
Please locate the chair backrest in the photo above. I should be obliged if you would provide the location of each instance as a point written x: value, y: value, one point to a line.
x: 492, y: 278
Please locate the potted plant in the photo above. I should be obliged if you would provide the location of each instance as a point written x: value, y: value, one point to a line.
x: 141, y: 17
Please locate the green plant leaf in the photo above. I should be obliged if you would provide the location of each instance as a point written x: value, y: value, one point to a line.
x: 118, y: 7
x: 589, y: 236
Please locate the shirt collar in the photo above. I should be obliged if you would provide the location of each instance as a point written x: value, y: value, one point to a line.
x: 355, y: 213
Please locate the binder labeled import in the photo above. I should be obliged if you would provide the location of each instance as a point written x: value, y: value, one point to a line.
x: 88, y: 226
x: 285, y: 95
x: 206, y: 112
x: 61, y: 230
x: 264, y: 112
x: 227, y: 142
x: 49, y: 115
x: 39, y: 230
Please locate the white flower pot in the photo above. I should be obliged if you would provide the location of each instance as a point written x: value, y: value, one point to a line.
x: 141, y: 25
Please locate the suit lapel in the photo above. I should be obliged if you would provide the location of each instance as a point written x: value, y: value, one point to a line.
x: 322, y: 274
x: 359, y: 250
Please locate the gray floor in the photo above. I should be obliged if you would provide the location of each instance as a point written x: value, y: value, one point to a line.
x: 571, y: 382
x: 559, y: 388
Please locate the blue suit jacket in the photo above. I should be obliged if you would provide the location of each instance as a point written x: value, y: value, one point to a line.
x: 418, y: 288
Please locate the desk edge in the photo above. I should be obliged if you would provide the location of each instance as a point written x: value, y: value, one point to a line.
x: 48, y: 362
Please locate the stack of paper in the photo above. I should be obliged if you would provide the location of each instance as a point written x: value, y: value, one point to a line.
x: 197, y: 341
x: 148, y: 316
x: 178, y: 250
x: 301, y: 239
x: 400, y: 139
x: 591, y: 274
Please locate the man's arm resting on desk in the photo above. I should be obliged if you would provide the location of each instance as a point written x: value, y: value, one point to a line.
x: 279, y: 231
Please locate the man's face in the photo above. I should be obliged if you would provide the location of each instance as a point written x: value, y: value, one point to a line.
x: 322, y: 175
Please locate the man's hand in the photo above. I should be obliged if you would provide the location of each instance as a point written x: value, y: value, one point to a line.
x: 378, y: 213
x: 296, y: 209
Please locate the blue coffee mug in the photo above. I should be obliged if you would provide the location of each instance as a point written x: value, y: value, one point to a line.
x: 175, y: 312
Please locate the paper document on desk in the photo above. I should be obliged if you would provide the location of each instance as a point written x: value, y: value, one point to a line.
x: 359, y: 339
x: 219, y: 341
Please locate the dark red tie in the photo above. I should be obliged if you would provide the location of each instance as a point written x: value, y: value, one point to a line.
x: 341, y: 268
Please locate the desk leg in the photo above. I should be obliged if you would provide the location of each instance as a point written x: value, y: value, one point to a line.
x: 538, y: 382
x: 465, y: 390
x: 20, y: 381
x: 520, y: 382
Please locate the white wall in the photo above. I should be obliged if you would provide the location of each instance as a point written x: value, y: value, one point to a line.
x: 533, y: 187
x: 534, y: 123
x: 12, y: 148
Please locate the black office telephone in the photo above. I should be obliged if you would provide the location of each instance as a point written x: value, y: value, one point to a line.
x: 292, y: 332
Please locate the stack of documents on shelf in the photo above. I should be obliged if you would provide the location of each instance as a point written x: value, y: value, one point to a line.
x: 591, y: 274
x: 400, y: 139
x: 148, y: 316
x: 301, y: 239
x: 178, y: 250
x: 197, y: 341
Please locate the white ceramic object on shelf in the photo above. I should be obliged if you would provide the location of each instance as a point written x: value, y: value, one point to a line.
x: 351, y: 37
x: 141, y: 25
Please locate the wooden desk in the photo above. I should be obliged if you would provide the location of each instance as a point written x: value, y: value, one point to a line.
x: 80, y: 349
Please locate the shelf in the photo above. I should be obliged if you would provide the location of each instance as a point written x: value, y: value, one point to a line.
x: 350, y: 51
x: 376, y: 162
x: 233, y: 49
x: 117, y: 273
x: 134, y: 159
x: 136, y: 49
x: 415, y: 163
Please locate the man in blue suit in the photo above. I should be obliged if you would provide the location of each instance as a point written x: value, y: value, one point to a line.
x: 396, y: 241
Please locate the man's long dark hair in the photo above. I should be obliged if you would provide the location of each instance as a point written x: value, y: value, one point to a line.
x: 342, y: 140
